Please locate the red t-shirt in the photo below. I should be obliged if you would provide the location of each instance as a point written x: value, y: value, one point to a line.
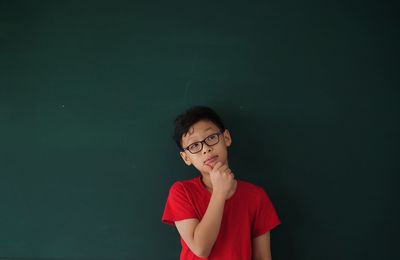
x: 247, y: 214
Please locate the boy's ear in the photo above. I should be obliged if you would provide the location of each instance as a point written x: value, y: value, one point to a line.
x: 227, y: 138
x: 186, y: 158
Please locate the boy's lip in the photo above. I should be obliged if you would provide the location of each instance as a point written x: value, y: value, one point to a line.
x: 211, y: 159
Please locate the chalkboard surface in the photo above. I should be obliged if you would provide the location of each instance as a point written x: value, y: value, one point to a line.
x: 89, y: 90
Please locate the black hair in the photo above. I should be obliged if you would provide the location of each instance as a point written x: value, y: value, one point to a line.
x: 190, y: 117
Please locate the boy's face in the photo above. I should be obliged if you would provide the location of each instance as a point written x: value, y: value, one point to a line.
x: 208, y: 156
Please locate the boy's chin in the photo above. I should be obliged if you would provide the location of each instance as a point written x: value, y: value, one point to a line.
x: 207, y: 168
x: 210, y: 166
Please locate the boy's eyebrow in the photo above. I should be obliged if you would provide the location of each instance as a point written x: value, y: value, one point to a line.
x: 208, y: 129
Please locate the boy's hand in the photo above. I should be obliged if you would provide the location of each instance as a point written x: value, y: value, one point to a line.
x: 222, y: 179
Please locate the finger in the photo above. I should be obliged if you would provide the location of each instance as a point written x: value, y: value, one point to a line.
x: 223, y: 168
x: 217, y: 166
x: 228, y: 171
x: 209, y: 167
x: 227, y: 174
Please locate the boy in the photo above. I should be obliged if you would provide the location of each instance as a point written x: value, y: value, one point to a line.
x: 217, y: 216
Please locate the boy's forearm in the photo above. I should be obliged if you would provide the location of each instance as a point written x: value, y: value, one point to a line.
x: 206, y: 232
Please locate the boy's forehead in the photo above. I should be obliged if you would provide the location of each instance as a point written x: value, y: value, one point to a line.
x: 199, y: 128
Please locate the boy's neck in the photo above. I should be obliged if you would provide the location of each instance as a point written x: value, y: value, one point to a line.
x: 207, y: 182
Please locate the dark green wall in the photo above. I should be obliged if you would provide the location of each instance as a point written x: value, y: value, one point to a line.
x: 89, y: 90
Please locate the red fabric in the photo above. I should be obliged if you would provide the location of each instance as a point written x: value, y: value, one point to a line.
x: 247, y: 214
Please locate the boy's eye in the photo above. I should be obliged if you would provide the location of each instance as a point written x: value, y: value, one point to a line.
x: 212, y: 137
x: 194, y: 146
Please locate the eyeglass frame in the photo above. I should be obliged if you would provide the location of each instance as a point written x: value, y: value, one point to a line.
x: 201, y: 142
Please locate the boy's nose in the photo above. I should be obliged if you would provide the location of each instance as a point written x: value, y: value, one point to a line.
x: 206, y: 148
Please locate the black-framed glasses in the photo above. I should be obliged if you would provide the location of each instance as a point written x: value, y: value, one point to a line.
x: 198, y: 146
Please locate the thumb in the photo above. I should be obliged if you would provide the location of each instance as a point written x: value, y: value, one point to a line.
x: 209, y: 167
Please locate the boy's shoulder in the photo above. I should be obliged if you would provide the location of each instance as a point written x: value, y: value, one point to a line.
x: 183, y: 184
x: 249, y: 187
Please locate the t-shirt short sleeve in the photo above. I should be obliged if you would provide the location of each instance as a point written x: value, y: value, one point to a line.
x: 266, y: 217
x: 178, y: 205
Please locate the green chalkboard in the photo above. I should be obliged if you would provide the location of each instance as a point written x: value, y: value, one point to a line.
x: 89, y: 91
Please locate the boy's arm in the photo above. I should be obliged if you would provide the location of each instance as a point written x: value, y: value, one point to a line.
x: 261, y: 247
x: 201, y: 236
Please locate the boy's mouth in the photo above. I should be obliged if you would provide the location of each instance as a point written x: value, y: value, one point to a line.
x: 211, y: 160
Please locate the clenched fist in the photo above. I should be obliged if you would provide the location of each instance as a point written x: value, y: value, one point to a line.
x: 222, y: 179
